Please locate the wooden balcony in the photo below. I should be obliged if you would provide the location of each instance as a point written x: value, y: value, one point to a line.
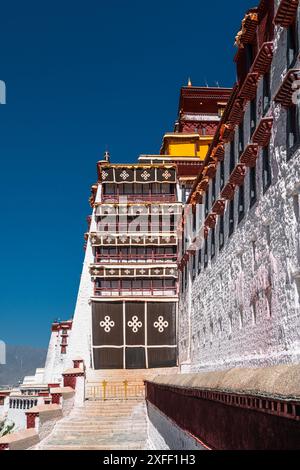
x: 142, y: 198
x: 116, y: 292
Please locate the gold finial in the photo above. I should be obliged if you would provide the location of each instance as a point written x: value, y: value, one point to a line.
x: 189, y: 82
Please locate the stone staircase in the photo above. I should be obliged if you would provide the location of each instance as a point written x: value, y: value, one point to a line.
x: 101, y: 425
x: 117, y: 423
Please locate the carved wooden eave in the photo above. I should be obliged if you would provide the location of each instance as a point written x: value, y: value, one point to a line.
x: 286, y: 13
x: 263, y: 59
x: 238, y: 175
x: 210, y: 220
x: 263, y: 132
x: 99, y: 271
x: 218, y: 153
x: 228, y: 191
x: 210, y: 170
x: 249, y: 87
x: 237, y: 112
x: 249, y: 155
x: 227, y: 132
x: 285, y: 93
x: 203, y: 185
x: 198, y: 197
x: 247, y: 33
x: 219, y: 207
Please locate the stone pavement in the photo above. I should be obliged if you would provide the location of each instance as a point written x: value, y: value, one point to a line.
x: 101, y: 425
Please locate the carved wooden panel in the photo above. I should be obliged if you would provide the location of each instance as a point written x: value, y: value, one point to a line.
x: 107, y: 323
x: 135, y: 323
x: 161, y: 323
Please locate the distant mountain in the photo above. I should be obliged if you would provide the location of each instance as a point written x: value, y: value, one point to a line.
x: 20, y: 361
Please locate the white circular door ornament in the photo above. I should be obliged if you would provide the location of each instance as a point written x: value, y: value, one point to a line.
x: 135, y: 324
x: 161, y: 324
x: 107, y: 324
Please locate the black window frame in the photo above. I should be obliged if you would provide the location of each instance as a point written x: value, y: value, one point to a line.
x: 213, y: 243
x: 266, y: 92
x: 292, y: 123
x: 232, y: 156
x: 292, y: 44
x: 206, y: 253
x: 241, y: 203
x: 252, y: 186
x: 199, y: 261
x: 241, y: 142
x: 253, y: 116
x: 222, y: 174
x: 231, y: 217
x: 221, y: 232
x: 266, y: 168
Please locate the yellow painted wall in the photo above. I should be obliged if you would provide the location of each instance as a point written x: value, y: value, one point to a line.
x: 192, y: 148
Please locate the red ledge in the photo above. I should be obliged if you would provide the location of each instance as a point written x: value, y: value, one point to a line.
x: 211, y: 220
x: 238, y: 175
x: 250, y: 155
x: 263, y: 59
x: 263, y: 131
x: 286, y: 90
x: 249, y: 87
x: 286, y: 13
x: 228, y: 191
x: 73, y: 372
x: 219, y: 207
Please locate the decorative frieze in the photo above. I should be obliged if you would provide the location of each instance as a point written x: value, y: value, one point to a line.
x: 137, y: 174
x: 135, y: 209
x: 135, y: 239
x: 133, y: 272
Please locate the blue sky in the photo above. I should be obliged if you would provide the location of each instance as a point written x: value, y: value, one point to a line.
x: 80, y: 76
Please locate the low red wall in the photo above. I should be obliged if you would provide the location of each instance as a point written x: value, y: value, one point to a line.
x: 230, y: 422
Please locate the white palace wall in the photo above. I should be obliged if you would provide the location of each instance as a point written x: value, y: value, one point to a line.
x: 245, y: 305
